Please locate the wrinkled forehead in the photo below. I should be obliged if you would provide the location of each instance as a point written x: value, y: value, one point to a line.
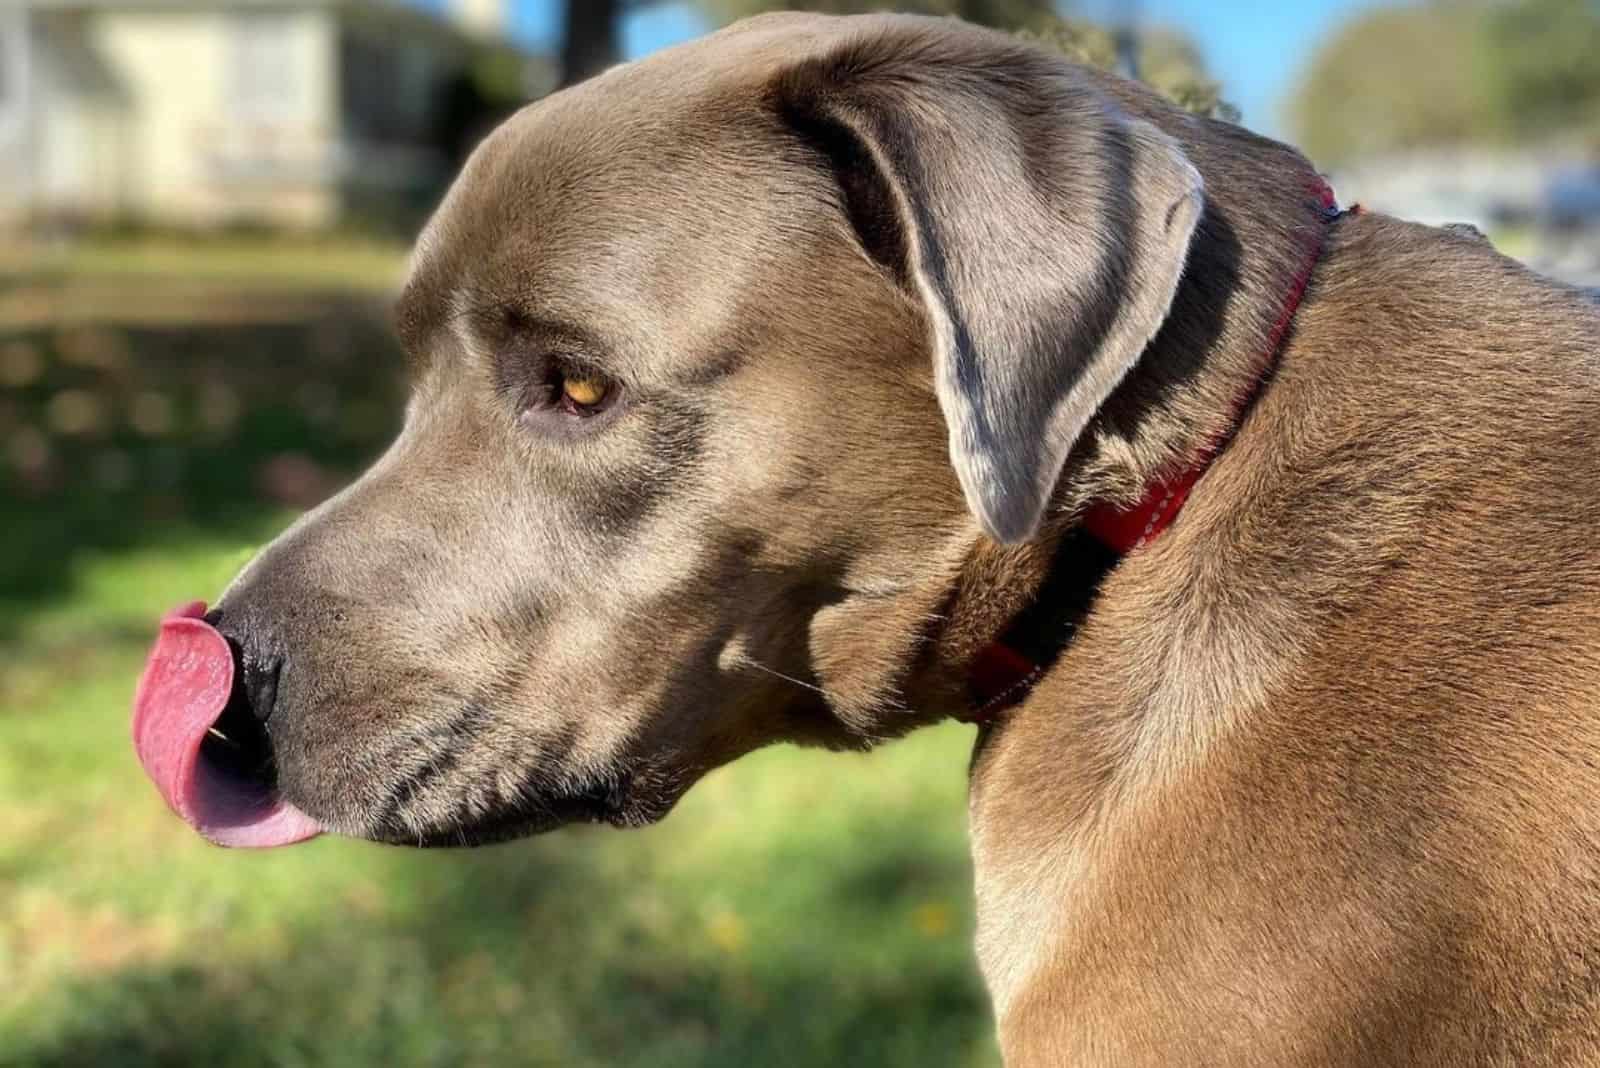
x: 631, y: 206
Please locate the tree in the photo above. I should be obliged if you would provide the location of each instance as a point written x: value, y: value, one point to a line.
x: 589, y: 40
x: 1540, y: 65
x: 1165, y: 59
x: 1452, y: 72
x: 1386, y: 81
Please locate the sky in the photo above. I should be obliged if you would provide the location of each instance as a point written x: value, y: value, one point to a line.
x: 1256, y: 49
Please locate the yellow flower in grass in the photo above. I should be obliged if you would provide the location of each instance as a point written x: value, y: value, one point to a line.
x: 727, y: 932
x: 932, y: 919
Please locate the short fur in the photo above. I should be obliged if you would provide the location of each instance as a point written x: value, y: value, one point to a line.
x: 1315, y: 782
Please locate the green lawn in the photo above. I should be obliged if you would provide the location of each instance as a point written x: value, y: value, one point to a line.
x: 298, y: 263
x: 797, y: 909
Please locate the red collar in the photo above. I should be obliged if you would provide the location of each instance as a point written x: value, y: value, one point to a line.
x: 1004, y: 671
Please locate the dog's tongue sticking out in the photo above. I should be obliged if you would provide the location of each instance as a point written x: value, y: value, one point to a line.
x: 185, y: 687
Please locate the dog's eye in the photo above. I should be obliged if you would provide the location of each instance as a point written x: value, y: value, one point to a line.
x: 581, y: 393
x: 574, y: 391
x: 562, y: 394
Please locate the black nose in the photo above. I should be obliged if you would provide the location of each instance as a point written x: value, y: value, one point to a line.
x: 256, y: 678
x: 256, y: 666
x: 238, y: 742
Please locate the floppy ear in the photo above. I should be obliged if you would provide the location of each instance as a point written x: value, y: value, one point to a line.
x: 1043, y: 229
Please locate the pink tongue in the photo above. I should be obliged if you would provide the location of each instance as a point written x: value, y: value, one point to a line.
x: 184, y: 689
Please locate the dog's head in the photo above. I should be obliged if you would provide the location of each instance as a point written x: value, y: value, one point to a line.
x: 725, y: 363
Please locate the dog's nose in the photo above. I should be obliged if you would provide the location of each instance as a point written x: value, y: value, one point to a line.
x: 238, y: 742
x: 256, y: 667
x: 255, y: 680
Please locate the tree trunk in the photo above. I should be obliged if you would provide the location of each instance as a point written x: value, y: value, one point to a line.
x: 590, y: 44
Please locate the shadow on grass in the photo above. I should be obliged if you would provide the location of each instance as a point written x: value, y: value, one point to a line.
x: 114, y: 437
x: 559, y: 951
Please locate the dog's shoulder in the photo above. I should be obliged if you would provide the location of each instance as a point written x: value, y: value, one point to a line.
x: 1434, y: 289
x: 1433, y: 337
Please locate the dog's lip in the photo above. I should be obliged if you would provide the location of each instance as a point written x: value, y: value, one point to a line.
x: 185, y: 686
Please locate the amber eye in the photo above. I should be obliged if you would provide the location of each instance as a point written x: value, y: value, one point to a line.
x: 584, y: 392
x: 570, y: 395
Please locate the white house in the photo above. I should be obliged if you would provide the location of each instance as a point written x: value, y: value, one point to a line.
x: 205, y: 112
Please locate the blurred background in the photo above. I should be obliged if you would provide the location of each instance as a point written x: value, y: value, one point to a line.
x: 204, y: 208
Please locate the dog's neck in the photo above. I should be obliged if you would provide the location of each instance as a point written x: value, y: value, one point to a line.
x: 1263, y: 224
x: 1257, y: 243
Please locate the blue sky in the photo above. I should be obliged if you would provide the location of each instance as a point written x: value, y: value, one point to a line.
x: 1257, y: 49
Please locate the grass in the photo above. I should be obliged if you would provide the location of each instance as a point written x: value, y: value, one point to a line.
x: 295, y: 262
x: 798, y: 908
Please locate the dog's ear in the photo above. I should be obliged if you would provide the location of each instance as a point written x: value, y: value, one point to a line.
x: 1043, y: 229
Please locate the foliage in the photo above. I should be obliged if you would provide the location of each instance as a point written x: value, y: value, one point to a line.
x: 1540, y: 61
x: 1452, y: 72
x: 1167, y: 60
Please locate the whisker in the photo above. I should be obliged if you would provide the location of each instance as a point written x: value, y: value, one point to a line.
x: 746, y: 659
x: 893, y: 707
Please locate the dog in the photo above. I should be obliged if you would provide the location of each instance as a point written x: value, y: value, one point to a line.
x: 829, y: 377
